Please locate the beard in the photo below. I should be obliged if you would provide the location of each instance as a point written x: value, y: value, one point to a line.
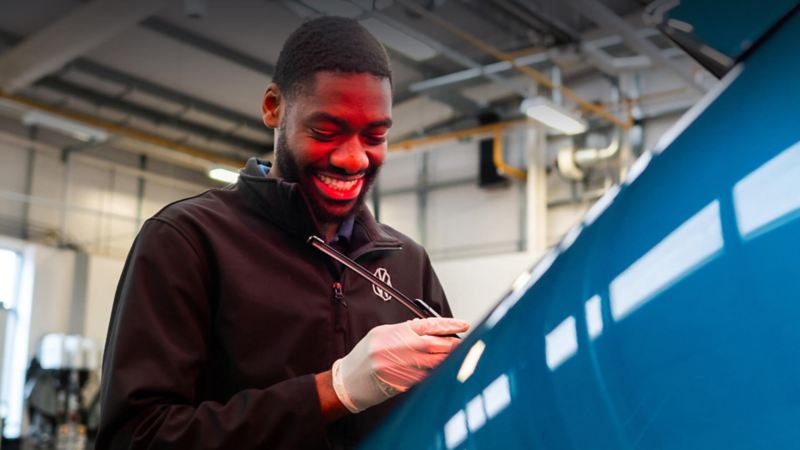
x: 291, y: 171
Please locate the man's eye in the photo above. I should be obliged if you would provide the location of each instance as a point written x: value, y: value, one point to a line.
x: 376, y: 139
x: 322, y: 134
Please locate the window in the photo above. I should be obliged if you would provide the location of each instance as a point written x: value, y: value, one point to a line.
x: 14, y: 328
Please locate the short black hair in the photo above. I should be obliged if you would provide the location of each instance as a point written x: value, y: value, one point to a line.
x: 336, y: 44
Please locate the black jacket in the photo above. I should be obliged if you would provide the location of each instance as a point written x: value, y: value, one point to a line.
x: 223, y: 314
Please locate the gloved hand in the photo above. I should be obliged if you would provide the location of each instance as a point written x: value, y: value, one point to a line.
x: 392, y: 358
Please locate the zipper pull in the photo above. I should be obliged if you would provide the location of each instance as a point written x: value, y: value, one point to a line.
x: 338, y: 294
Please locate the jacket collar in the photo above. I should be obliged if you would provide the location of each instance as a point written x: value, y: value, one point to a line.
x: 284, y: 204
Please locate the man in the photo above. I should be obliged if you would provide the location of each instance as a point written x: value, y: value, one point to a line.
x: 228, y: 330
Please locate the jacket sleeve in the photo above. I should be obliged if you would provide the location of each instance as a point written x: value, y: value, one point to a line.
x: 432, y: 289
x: 157, y: 357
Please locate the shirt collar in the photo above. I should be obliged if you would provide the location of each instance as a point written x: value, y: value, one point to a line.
x: 345, y: 231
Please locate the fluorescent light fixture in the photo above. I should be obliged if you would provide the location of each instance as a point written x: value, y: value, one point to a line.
x: 552, y: 115
x: 223, y: 174
x: 396, y: 39
x: 77, y: 130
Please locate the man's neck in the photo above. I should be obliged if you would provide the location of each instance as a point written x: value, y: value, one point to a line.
x: 329, y: 230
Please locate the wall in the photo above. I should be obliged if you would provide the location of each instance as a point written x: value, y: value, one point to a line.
x: 473, y: 285
x: 104, y: 273
x: 81, y: 201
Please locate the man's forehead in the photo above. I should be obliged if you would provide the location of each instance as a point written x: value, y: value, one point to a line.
x: 348, y: 83
x: 339, y: 94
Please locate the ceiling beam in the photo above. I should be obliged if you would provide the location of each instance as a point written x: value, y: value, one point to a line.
x: 605, y: 17
x: 247, y: 146
x: 119, y: 130
x: 165, y: 93
x: 536, y: 10
x: 134, y: 83
x: 207, y: 45
x: 81, y: 30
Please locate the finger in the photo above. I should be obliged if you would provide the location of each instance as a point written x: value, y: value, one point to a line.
x: 438, y: 326
x: 438, y: 344
x: 428, y: 361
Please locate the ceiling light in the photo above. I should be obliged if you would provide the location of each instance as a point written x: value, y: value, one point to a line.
x: 223, y: 174
x: 398, y: 40
x: 77, y: 130
x: 552, y: 115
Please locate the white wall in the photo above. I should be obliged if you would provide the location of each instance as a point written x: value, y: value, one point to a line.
x: 104, y: 273
x: 84, y: 201
x: 52, y: 292
x: 474, y: 285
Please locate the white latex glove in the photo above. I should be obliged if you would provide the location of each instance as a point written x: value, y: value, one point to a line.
x: 392, y: 358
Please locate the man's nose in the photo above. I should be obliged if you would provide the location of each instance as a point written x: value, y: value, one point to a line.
x: 351, y: 156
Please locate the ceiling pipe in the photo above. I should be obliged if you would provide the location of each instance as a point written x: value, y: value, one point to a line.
x: 495, y: 129
x: 502, y: 165
x: 535, y: 75
x: 603, y: 16
x: 410, y: 144
x: 119, y: 130
x: 529, y: 59
x: 447, y: 52
x: 572, y: 163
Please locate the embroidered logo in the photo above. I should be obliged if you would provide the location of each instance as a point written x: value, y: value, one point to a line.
x: 383, y: 275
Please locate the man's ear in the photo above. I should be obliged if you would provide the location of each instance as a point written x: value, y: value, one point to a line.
x: 271, y: 107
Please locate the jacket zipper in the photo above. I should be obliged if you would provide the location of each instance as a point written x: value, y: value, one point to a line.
x: 339, y: 326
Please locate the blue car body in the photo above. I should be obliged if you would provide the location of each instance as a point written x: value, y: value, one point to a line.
x: 670, y: 317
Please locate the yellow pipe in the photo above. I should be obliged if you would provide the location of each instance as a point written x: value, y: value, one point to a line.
x: 497, y: 156
x: 529, y: 72
x: 120, y: 130
x: 496, y: 129
x: 408, y: 144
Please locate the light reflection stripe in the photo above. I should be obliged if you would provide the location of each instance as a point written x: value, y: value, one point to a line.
x: 561, y: 343
x: 476, y: 416
x: 455, y: 430
x: 769, y: 193
x: 497, y: 396
x: 683, y: 250
x: 483, y: 407
x: 594, y: 316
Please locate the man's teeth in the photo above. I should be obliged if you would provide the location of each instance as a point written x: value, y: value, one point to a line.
x: 339, y: 185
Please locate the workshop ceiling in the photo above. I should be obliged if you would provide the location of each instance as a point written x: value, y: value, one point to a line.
x: 198, y: 80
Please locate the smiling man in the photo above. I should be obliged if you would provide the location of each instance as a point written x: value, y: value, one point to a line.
x: 228, y: 330
x: 337, y: 127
